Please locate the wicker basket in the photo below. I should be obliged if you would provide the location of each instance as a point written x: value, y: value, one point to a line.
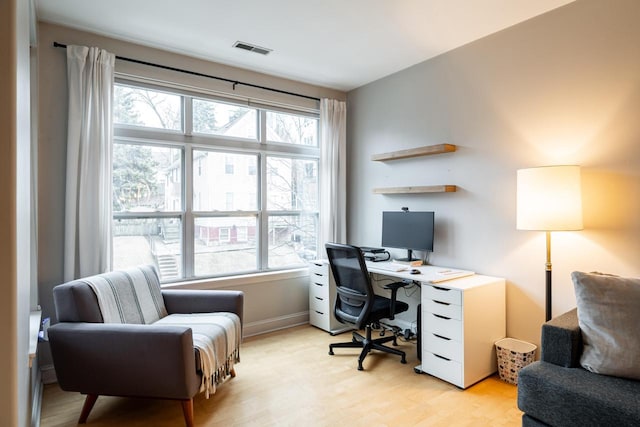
x: 513, y: 355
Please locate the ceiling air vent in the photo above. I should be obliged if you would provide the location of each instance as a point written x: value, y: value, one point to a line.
x: 252, y: 48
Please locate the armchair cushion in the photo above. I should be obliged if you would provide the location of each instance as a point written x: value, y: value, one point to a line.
x: 609, y: 317
x: 217, y: 337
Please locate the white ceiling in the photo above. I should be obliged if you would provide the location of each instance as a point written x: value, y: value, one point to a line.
x: 341, y: 44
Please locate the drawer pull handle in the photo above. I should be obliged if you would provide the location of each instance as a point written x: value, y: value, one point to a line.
x: 441, y: 316
x: 319, y: 312
x: 442, y: 357
x: 317, y: 265
x: 319, y: 299
x: 441, y: 337
x: 441, y: 289
x: 318, y: 284
x: 440, y: 302
x: 318, y: 274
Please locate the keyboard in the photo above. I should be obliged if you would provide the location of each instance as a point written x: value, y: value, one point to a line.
x: 387, y: 266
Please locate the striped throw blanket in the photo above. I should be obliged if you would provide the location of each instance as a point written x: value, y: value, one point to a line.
x: 217, y: 337
x: 129, y: 296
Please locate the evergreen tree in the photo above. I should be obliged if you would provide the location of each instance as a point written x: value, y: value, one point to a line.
x: 134, y: 178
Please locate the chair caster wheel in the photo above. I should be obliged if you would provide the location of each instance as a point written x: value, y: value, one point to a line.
x: 403, y: 361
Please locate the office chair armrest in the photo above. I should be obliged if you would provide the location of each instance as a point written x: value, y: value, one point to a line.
x: 393, y: 287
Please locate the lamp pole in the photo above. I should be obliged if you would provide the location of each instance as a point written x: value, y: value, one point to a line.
x: 548, y: 279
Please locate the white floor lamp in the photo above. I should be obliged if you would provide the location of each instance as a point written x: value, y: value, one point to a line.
x: 549, y: 199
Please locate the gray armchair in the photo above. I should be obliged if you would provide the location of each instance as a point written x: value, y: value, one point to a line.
x: 557, y: 391
x: 134, y: 360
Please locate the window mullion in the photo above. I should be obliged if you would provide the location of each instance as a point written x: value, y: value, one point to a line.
x: 262, y: 126
x: 188, y: 115
x: 188, y: 227
x: 263, y: 217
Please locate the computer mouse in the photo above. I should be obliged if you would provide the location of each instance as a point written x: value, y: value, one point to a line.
x: 414, y: 271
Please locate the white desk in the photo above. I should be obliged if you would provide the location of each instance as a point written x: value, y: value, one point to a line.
x: 462, y: 316
x: 428, y: 273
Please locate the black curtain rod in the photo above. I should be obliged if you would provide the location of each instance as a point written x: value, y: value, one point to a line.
x: 195, y: 73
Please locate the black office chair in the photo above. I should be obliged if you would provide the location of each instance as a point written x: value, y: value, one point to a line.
x: 358, y: 305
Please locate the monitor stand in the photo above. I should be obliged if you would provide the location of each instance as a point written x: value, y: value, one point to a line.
x: 409, y: 257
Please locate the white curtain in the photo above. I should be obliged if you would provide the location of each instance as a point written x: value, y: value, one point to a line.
x: 87, y: 248
x: 333, y: 172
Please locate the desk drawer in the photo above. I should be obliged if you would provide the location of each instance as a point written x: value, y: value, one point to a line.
x: 319, y: 289
x: 442, y: 346
x: 437, y: 293
x: 320, y: 319
x: 319, y: 303
x: 319, y: 269
x: 318, y: 278
x: 443, y: 368
x: 443, y: 308
x: 443, y: 326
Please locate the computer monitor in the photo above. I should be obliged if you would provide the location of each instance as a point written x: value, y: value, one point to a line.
x: 408, y: 230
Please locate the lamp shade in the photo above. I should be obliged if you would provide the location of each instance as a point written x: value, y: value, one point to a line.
x: 549, y: 198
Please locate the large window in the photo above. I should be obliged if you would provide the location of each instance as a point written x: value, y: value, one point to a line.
x: 205, y: 187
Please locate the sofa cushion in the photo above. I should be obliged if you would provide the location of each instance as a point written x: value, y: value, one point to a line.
x: 575, y: 397
x: 609, y: 316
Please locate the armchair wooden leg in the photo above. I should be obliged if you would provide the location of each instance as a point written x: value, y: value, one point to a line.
x: 187, y: 410
x: 233, y: 372
x: 89, y: 401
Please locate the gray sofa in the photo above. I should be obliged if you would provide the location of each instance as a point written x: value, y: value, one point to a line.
x: 134, y: 360
x: 557, y: 391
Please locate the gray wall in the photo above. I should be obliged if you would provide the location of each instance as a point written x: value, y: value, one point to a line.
x: 562, y: 88
x: 272, y: 301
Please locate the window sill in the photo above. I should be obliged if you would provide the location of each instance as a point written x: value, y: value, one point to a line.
x: 34, y: 328
x: 241, y: 280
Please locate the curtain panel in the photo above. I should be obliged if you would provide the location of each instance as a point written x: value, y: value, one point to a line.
x: 90, y: 77
x: 333, y: 164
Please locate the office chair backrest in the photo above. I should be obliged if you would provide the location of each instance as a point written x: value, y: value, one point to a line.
x: 353, y: 283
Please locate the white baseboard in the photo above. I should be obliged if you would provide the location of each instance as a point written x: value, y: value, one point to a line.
x: 36, y: 399
x: 275, y: 324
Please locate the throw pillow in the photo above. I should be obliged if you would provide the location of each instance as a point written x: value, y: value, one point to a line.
x: 609, y: 318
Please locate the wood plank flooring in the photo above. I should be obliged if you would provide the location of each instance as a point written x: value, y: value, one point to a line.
x: 287, y: 378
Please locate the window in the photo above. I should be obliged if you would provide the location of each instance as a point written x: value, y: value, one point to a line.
x: 138, y: 106
x: 228, y: 166
x: 292, y: 129
x: 204, y: 187
x: 217, y: 118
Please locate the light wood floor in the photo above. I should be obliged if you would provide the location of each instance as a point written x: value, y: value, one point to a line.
x: 287, y: 378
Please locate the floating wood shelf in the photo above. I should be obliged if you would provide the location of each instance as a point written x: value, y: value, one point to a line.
x: 417, y: 189
x: 415, y: 152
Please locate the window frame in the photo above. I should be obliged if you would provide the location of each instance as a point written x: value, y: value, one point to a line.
x: 188, y: 141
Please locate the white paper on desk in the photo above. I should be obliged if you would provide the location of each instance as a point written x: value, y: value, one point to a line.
x: 450, y: 274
